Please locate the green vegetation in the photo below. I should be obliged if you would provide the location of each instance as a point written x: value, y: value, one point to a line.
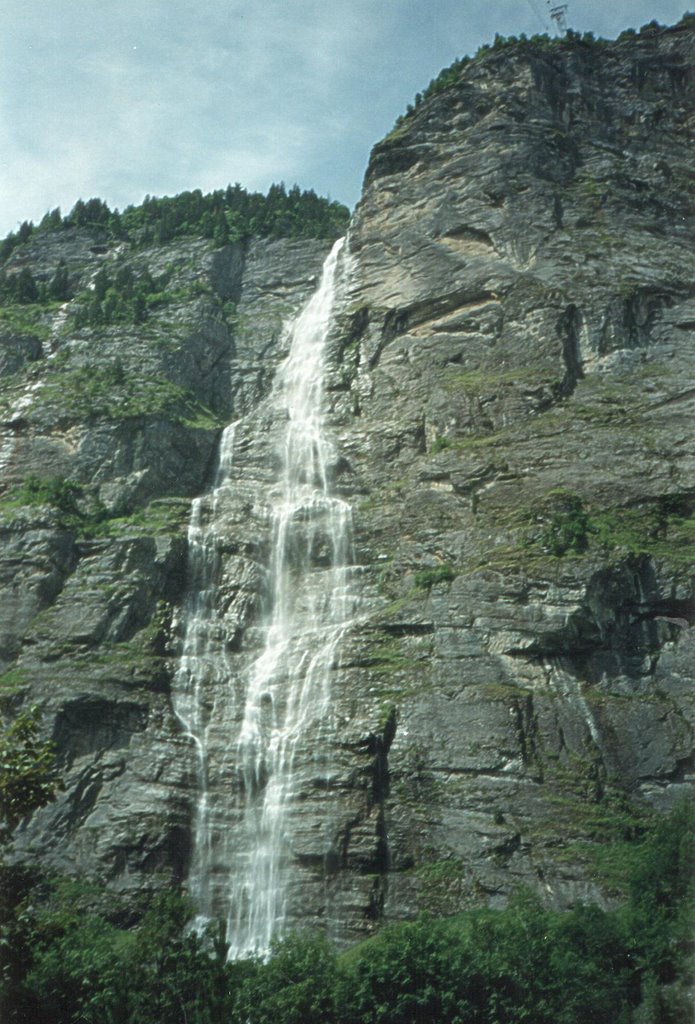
x: 22, y: 289
x: 122, y: 296
x: 15, y: 238
x: 53, y: 490
x: 69, y: 959
x: 522, y: 44
x: 75, y: 506
x: 562, y: 525
x: 69, y: 962
x: 395, y: 664
x: 117, y: 295
x: 89, y: 393
x: 12, y: 680
x: 26, y: 320
x: 163, y: 515
x: 440, y: 443
x: 386, y: 655
x: 474, y: 381
x: 528, y: 46
x: 427, y: 578
x: 664, y: 529
x: 28, y: 776
x: 230, y: 214
x: 141, y: 659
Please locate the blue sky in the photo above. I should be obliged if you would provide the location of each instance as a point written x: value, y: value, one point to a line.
x: 119, y: 98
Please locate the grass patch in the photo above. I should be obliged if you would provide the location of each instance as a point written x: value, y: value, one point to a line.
x: 386, y: 656
x: 163, y: 515
x: 440, y: 872
x: 439, y: 444
x: 13, y: 680
x: 27, y: 320
x: 647, y: 530
x: 475, y: 381
x: 74, y: 506
x: 560, y: 526
x: 472, y: 442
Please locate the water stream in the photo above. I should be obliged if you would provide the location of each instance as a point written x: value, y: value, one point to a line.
x: 283, y: 721
x: 204, y: 670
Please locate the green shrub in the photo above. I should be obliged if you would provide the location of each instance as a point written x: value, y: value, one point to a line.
x: 53, y: 490
x: 86, y: 394
x: 81, y: 968
x: 564, y: 523
x: 121, y: 298
x: 295, y: 986
x: 426, y: 578
x: 20, y: 288
x: 535, y: 45
x: 76, y: 508
x: 28, y: 776
x: 439, y: 444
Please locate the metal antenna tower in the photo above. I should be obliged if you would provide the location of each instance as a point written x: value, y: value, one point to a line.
x: 558, y: 14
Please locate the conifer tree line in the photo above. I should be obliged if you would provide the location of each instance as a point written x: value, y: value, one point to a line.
x: 231, y: 214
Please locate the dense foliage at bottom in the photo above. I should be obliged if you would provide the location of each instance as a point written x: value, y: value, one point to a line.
x: 68, y: 958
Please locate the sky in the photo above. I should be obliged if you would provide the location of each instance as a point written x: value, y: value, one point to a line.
x: 123, y: 98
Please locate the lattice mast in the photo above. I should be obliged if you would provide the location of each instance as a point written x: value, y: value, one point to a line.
x: 558, y: 15
x: 553, y: 18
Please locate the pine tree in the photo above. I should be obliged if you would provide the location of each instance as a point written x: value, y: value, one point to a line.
x: 59, y: 285
x: 25, y: 288
x: 221, y: 231
x: 25, y: 230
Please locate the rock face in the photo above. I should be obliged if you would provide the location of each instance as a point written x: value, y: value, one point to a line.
x: 510, y: 396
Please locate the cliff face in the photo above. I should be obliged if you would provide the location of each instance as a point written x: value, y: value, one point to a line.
x: 522, y: 349
x: 510, y: 395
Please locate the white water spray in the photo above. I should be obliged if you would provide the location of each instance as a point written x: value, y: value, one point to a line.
x: 202, y: 679
x: 288, y: 695
x: 284, y: 726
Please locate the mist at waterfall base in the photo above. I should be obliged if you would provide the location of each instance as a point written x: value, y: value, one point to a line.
x: 308, y: 605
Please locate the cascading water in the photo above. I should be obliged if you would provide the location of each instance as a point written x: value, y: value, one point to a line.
x: 248, y: 877
x: 204, y: 670
x: 288, y: 692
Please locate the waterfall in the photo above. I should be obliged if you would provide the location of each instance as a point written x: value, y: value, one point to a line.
x: 248, y: 877
x: 204, y: 670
